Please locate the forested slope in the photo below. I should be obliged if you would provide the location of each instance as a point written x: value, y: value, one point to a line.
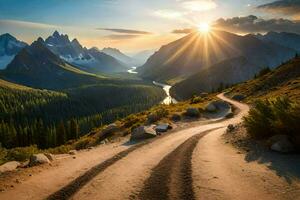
x: 47, y: 118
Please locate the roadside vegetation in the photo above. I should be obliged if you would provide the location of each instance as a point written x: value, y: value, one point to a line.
x: 119, y: 129
x: 274, y: 117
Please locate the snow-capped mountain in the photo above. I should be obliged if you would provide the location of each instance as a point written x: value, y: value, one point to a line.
x: 9, y: 47
x: 90, y: 60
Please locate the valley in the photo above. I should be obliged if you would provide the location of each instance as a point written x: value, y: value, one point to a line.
x: 150, y: 100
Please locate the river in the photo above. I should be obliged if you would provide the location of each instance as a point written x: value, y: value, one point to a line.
x: 169, y: 99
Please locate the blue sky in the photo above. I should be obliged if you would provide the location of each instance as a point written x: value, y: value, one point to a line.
x: 28, y: 19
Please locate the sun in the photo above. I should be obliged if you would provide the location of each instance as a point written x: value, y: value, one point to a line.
x: 204, y: 28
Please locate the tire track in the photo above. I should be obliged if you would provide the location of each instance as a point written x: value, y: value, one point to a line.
x: 172, y: 177
x: 69, y: 190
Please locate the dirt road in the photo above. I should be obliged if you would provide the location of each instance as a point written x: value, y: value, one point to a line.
x: 193, y: 163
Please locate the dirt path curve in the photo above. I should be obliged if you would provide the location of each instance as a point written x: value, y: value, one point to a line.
x: 220, y: 172
x: 126, y: 178
x: 112, y: 171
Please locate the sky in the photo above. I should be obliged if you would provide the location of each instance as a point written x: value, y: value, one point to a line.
x: 135, y: 25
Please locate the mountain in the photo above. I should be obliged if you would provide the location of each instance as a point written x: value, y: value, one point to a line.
x: 142, y: 57
x: 280, y: 82
x: 196, y: 51
x: 9, y: 47
x: 225, y: 73
x: 290, y: 40
x: 90, y: 60
x: 38, y: 67
x: 116, y: 53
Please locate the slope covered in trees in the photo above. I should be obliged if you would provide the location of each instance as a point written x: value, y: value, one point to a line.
x: 47, y: 118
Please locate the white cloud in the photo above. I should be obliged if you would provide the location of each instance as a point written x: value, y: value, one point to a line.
x: 24, y: 24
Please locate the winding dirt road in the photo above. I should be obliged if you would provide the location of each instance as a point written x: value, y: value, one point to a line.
x: 193, y: 163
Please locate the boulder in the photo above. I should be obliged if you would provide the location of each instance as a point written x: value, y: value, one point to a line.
x: 283, y: 145
x: 9, y: 166
x: 238, y: 97
x: 210, y: 107
x: 110, y: 128
x: 143, y: 132
x: 176, y: 117
x: 38, y: 159
x: 192, y: 112
x: 50, y: 156
x: 162, y: 128
x: 72, y: 152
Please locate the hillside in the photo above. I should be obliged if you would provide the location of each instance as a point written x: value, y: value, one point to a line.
x: 196, y: 51
x: 117, y: 54
x: 43, y: 117
x: 36, y: 66
x: 214, y: 78
x: 283, y: 81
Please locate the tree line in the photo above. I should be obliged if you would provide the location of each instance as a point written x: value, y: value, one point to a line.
x: 49, y: 119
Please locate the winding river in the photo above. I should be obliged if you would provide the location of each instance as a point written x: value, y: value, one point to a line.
x: 169, y: 99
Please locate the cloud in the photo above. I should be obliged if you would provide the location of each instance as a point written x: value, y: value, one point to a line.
x: 252, y: 24
x: 286, y: 7
x: 126, y: 31
x: 25, y: 24
x: 183, y: 31
x: 121, y: 37
x: 199, y: 5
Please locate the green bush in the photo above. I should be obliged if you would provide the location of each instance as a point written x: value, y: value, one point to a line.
x: 196, y: 99
x: 21, y: 153
x: 271, y: 117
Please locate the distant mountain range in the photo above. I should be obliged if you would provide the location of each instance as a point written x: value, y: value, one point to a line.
x: 195, y: 52
x: 38, y: 67
x: 9, y: 47
x: 142, y: 56
x: 290, y: 40
x: 90, y: 60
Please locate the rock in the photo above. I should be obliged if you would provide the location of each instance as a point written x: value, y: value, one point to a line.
x: 176, y: 117
x: 210, y: 107
x: 143, y: 132
x: 38, y: 159
x: 162, y: 128
x: 90, y: 148
x: 72, y: 152
x: 50, y: 156
x: 111, y: 128
x: 238, y: 97
x: 192, y: 112
x: 283, y: 146
x: 9, y: 166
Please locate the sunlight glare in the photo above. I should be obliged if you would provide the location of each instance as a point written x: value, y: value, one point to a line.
x: 204, y: 28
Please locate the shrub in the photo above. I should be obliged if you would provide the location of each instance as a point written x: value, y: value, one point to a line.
x: 21, y: 153
x: 195, y: 100
x: 84, y: 143
x: 268, y: 118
